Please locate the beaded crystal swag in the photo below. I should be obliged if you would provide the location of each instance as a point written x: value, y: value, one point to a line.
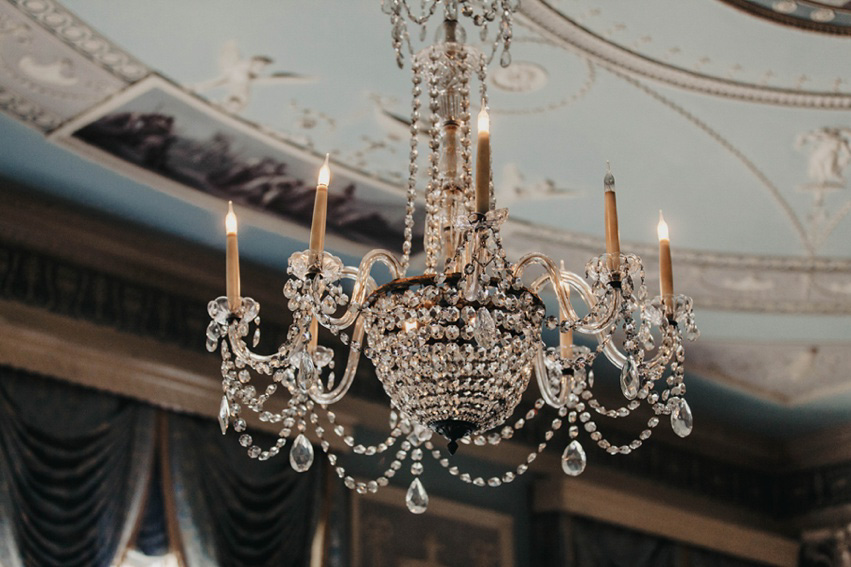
x: 455, y: 347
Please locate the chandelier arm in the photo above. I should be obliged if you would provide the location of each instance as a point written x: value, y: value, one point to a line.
x: 666, y: 349
x: 241, y: 350
x: 360, y: 290
x: 556, y: 278
x: 586, y: 292
x: 364, y: 283
x: 335, y: 395
x: 659, y: 360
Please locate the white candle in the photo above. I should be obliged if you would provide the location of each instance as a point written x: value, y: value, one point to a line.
x: 320, y: 209
x: 314, y: 335
x: 666, y: 271
x: 232, y: 260
x: 565, y: 340
x: 613, y: 245
x: 483, y: 164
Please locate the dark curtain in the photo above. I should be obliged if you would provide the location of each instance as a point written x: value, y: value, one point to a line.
x: 74, y: 465
x: 152, y: 538
x: 234, y: 511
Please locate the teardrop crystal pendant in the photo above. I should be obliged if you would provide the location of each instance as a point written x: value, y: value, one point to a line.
x: 301, y: 454
x: 484, y: 329
x: 629, y: 380
x: 417, y: 497
x: 573, y: 459
x: 256, y: 340
x: 224, y: 414
x: 306, y: 371
x: 681, y: 418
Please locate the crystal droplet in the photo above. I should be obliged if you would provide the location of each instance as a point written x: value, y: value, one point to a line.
x: 301, y: 454
x: 681, y: 418
x: 213, y: 331
x: 505, y: 58
x: 218, y: 310
x: 224, y: 414
x: 484, y: 329
x: 306, y: 371
x: 250, y: 309
x: 256, y: 340
x: 417, y: 497
x: 629, y: 380
x: 573, y: 459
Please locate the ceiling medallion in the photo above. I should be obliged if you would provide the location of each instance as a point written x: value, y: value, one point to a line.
x: 520, y: 77
x: 456, y: 347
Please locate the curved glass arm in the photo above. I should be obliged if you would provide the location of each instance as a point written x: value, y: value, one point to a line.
x: 557, y: 278
x: 364, y: 284
x: 241, y: 350
x: 342, y: 388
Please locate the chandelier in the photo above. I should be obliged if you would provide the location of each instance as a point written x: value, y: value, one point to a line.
x: 455, y: 347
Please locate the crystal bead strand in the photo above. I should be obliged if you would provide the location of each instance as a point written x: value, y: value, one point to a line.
x: 369, y: 450
x: 349, y: 482
x: 416, y: 90
x: 432, y: 230
x: 466, y: 153
x: 508, y: 476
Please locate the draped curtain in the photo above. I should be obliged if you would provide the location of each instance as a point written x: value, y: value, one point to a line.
x: 74, y: 465
x: 84, y: 474
x: 235, y: 511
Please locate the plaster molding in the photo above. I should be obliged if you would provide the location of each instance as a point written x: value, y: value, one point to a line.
x: 78, y: 35
x: 52, y: 66
x: 716, y: 281
x: 553, y: 24
x: 27, y: 111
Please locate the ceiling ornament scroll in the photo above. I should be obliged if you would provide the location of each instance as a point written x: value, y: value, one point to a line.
x: 554, y: 24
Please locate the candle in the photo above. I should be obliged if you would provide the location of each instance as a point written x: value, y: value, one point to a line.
x: 232, y: 261
x: 314, y: 335
x: 483, y: 164
x: 666, y: 272
x: 565, y: 340
x: 320, y: 209
x: 613, y: 245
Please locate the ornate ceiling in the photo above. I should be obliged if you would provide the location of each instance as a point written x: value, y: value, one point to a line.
x: 731, y: 115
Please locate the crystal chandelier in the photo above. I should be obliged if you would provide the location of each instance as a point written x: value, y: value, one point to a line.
x: 455, y: 347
